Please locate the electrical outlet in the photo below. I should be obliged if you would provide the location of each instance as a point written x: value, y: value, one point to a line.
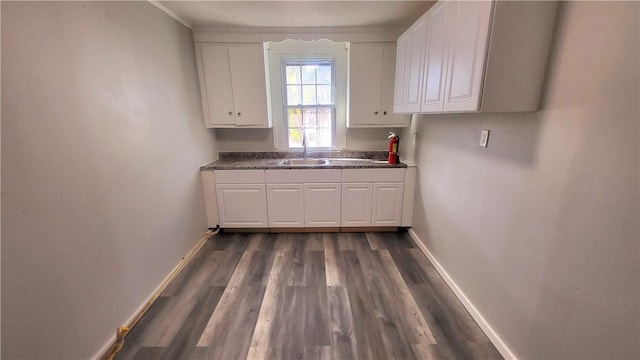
x: 484, y: 137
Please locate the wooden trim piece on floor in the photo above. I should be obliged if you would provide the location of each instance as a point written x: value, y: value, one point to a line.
x: 246, y: 230
x: 305, y: 230
x: 475, y: 314
x: 370, y: 229
x: 137, y: 315
x: 313, y: 229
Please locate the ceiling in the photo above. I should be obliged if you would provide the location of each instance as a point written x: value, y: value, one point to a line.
x: 298, y: 13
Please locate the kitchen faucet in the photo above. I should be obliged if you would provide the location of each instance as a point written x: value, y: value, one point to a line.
x: 304, y: 144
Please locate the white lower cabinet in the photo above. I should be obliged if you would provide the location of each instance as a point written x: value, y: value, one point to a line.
x: 356, y: 204
x: 387, y: 204
x: 372, y: 203
x: 304, y: 197
x: 241, y: 198
x: 242, y: 205
x: 285, y: 204
x: 312, y: 198
x: 322, y: 205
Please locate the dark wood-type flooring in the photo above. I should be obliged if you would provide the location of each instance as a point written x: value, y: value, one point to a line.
x: 308, y: 296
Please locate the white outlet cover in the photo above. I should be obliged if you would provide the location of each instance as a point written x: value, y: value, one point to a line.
x: 484, y: 137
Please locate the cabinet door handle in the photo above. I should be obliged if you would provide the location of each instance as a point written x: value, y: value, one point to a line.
x: 239, y: 114
x: 375, y: 113
x: 384, y: 113
x: 230, y: 113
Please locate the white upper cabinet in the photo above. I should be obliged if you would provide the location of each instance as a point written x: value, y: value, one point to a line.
x: 233, y: 85
x: 372, y: 74
x: 414, y: 65
x: 400, y: 75
x: 467, y: 47
x: 487, y: 56
x: 435, y: 62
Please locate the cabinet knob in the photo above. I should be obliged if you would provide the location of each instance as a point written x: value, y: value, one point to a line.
x: 375, y: 113
x: 239, y: 114
x: 230, y: 113
x: 384, y: 113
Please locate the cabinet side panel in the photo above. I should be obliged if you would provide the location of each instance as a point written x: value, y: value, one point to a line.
x: 517, y: 58
x: 388, y: 86
x: 400, y: 74
x: 415, y: 65
x: 203, y: 87
x: 409, y: 193
x: 210, y: 200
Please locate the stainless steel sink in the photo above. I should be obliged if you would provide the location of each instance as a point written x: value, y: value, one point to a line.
x: 303, y: 162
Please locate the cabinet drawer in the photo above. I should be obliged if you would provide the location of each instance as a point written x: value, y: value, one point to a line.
x: 303, y: 176
x: 372, y: 175
x: 239, y: 176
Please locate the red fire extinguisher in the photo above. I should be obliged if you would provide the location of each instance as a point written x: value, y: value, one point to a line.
x: 394, y: 142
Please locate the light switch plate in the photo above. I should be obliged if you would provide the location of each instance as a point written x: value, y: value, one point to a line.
x: 484, y: 137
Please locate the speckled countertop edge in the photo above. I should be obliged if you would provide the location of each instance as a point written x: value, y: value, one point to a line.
x: 271, y: 160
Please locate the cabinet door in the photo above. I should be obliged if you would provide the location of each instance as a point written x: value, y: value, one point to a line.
x: 435, y: 63
x: 242, y: 205
x: 285, y: 205
x: 415, y: 65
x: 249, y: 89
x: 388, y: 117
x: 470, y: 33
x: 387, y: 204
x: 365, y: 84
x: 356, y: 204
x: 399, y: 88
x: 216, y: 70
x: 322, y: 205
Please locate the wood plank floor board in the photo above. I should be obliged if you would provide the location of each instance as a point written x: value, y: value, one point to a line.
x: 232, y: 340
x: 370, y: 343
x: 398, y: 338
x: 308, y: 296
x: 318, y: 353
x: 343, y: 341
x: 149, y: 353
x: 135, y: 337
x: 441, y: 302
x: 316, y: 315
x: 185, y: 340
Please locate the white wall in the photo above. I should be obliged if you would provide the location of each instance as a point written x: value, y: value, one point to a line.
x: 540, y: 229
x: 102, y: 136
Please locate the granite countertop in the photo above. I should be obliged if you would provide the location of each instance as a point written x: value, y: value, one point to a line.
x: 272, y: 160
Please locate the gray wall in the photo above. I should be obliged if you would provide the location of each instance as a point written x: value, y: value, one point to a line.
x: 540, y: 229
x: 102, y: 136
x: 262, y: 139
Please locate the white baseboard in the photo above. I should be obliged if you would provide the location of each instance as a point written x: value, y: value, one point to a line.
x: 137, y: 314
x: 475, y: 314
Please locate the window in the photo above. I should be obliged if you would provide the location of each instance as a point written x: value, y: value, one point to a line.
x: 317, y: 85
x: 309, y: 103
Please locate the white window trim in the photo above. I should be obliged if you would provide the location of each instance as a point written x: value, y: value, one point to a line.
x: 298, y: 49
x: 284, y: 105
